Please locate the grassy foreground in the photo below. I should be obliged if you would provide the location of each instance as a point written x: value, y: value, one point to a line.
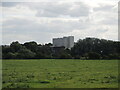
x: 51, y: 73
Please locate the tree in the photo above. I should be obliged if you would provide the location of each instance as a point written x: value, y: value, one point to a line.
x: 31, y: 46
x: 11, y: 55
x: 88, y: 48
x: 65, y: 56
x: 25, y: 54
x: 100, y: 46
x: 93, y: 55
x: 114, y: 56
x: 15, y: 46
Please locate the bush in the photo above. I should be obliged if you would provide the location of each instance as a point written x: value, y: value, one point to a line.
x: 114, y: 56
x: 25, y: 54
x: 65, y: 56
x: 93, y: 55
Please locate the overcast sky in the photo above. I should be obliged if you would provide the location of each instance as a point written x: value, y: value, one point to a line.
x: 42, y: 21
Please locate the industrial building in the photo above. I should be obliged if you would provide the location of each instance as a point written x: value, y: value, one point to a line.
x: 67, y: 42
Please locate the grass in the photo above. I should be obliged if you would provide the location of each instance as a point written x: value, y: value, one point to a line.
x: 53, y: 73
x: 0, y: 74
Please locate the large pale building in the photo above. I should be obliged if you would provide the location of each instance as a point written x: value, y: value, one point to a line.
x: 67, y: 42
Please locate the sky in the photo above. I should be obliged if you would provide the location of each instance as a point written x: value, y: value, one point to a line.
x: 26, y: 21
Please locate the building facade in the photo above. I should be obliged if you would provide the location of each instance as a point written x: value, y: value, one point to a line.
x: 67, y: 42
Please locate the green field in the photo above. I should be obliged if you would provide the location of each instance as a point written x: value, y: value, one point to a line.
x: 60, y: 73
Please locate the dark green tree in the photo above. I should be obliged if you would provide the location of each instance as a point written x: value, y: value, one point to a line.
x: 93, y: 55
x: 25, y: 54
x: 31, y: 46
x: 15, y: 46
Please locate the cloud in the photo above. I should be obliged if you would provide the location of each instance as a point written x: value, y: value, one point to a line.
x: 24, y: 25
x: 102, y: 8
x: 10, y: 4
x: 44, y: 20
x: 56, y: 9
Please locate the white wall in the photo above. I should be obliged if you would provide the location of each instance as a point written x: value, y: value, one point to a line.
x: 67, y: 42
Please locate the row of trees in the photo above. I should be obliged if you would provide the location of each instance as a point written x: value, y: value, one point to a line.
x: 89, y: 48
x: 93, y: 48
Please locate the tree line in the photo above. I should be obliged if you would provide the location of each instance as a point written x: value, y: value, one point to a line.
x: 88, y: 48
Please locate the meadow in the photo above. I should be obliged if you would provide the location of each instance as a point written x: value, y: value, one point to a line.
x: 60, y: 73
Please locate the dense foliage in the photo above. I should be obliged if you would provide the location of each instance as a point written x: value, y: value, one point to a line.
x: 89, y: 48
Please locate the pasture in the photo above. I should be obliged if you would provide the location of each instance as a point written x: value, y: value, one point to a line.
x: 60, y: 73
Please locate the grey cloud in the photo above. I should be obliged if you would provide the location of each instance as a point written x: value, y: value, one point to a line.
x: 101, y: 30
x: 104, y: 8
x: 10, y: 4
x: 52, y: 9
x: 57, y: 9
x: 17, y: 28
x: 30, y: 26
x: 21, y: 26
x: 109, y: 21
x: 79, y: 9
